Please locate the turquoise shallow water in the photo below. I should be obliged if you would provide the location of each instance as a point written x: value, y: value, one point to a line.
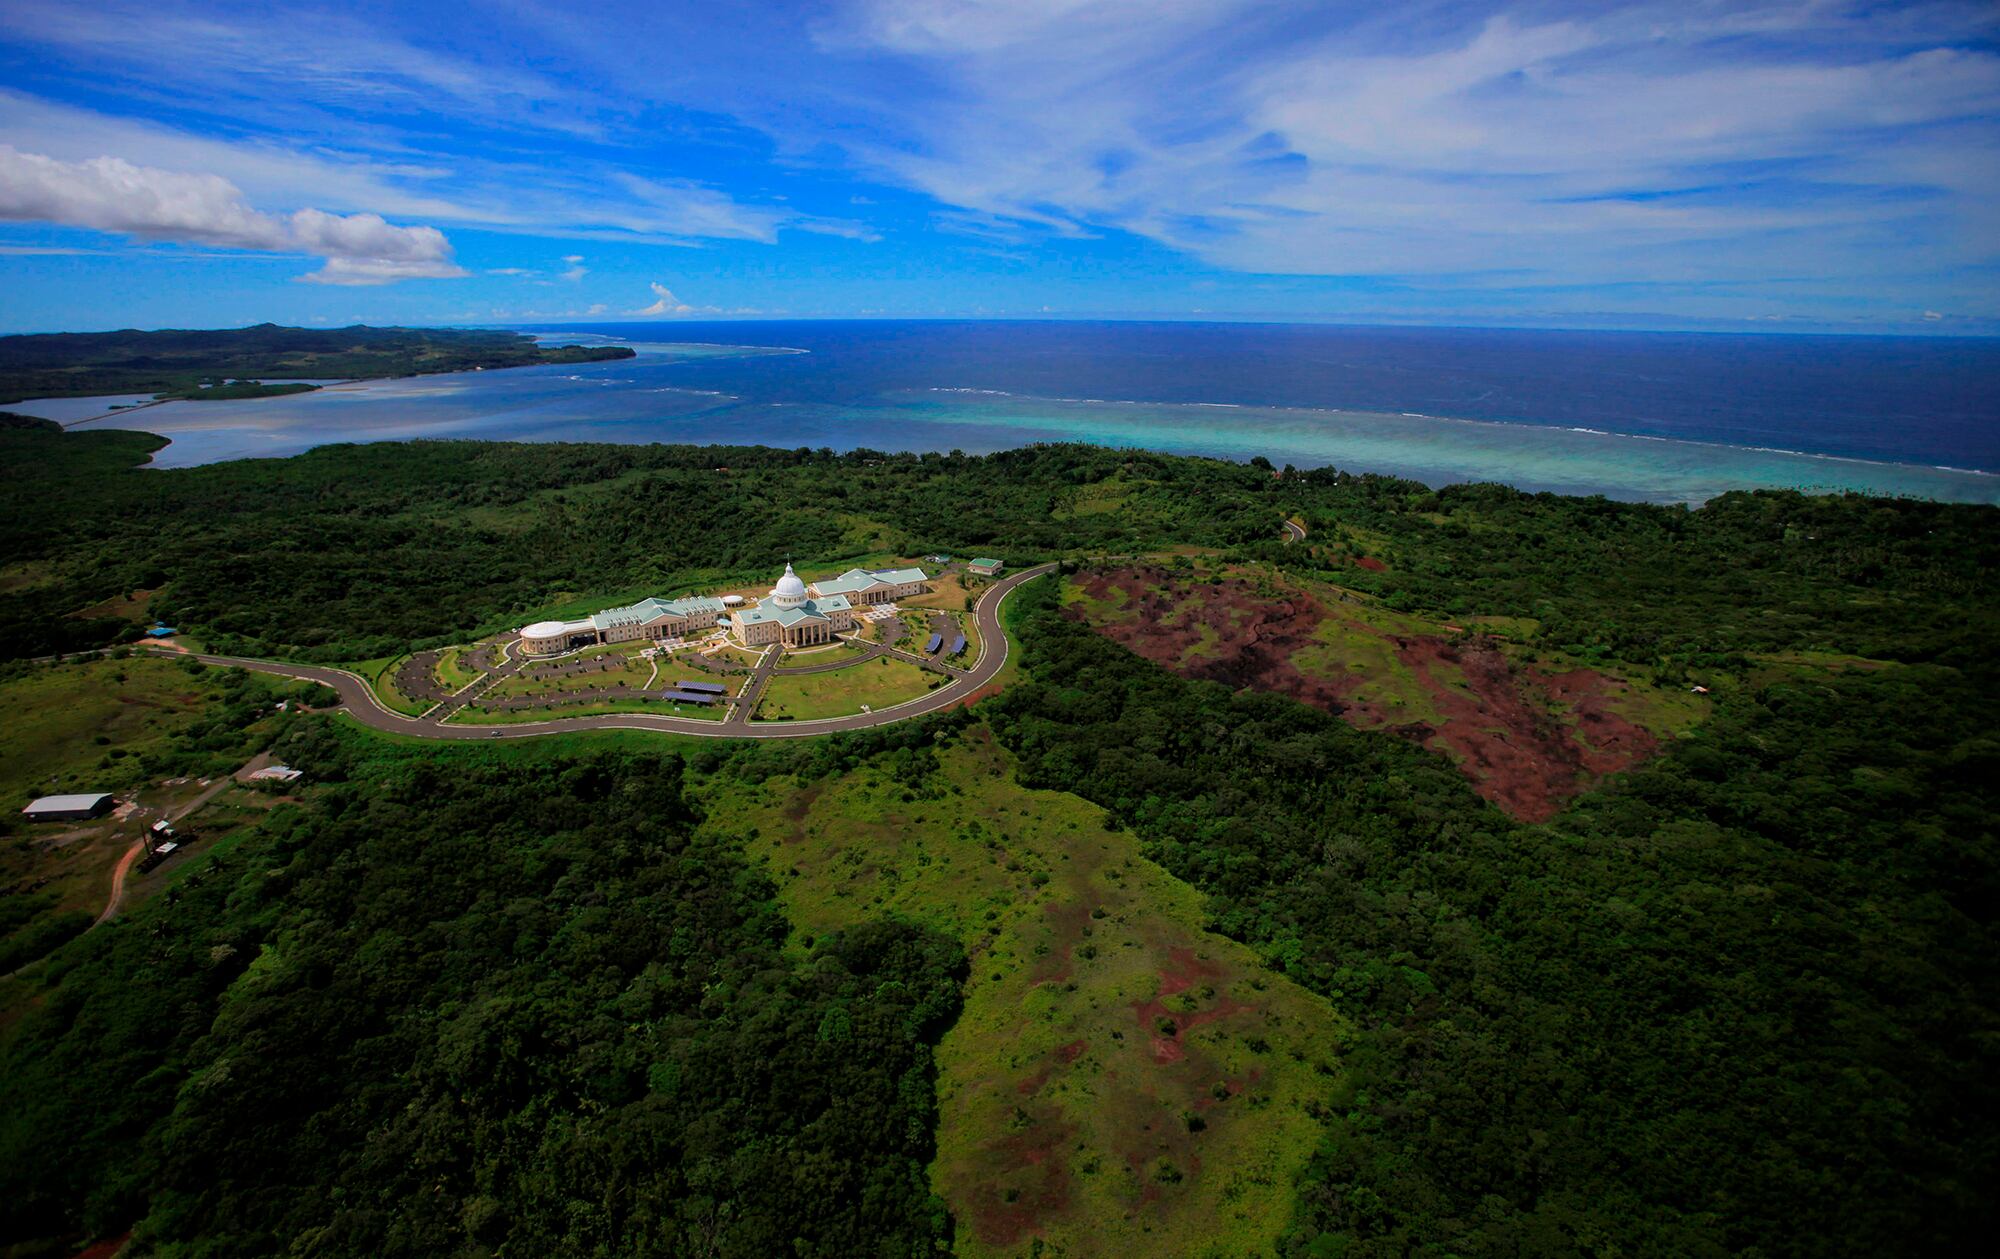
x: 1439, y: 450
x: 780, y: 395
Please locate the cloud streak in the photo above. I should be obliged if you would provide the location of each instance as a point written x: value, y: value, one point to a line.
x: 1577, y: 144
x: 112, y: 195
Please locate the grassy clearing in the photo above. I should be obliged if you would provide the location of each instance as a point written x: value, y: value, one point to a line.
x: 145, y: 729
x: 1120, y: 1082
x: 1113, y: 605
x: 1101, y: 498
x: 130, y: 607
x: 947, y: 591
x: 879, y: 684
x: 1667, y: 712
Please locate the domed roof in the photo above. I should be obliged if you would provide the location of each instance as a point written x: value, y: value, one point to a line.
x: 789, y: 588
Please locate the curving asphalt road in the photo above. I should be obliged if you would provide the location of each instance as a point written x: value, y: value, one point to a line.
x: 359, y: 700
x: 1294, y: 532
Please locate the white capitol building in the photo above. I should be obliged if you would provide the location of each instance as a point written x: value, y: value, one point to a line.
x: 794, y: 613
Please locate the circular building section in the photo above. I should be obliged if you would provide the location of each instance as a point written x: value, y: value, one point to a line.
x: 544, y: 638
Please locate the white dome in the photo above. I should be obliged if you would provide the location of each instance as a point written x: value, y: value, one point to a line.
x: 543, y: 629
x: 789, y: 590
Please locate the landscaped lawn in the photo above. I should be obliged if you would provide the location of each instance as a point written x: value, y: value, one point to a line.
x: 451, y: 669
x: 381, y: 675
x: 839, y: 650
x: 878, y: 683
x: 472, y: 715
x: 631, y: 670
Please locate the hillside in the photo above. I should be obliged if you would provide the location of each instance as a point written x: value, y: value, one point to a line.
x: 177, y: 362
x: 1389, y: 890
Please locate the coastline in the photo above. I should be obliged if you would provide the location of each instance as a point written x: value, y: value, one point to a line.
x: 638, y: 401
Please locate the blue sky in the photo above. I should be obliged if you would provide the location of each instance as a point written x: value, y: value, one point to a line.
x: 1805, y: 165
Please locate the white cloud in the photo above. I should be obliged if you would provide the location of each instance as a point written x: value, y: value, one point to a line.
x: 666, y: 303
x: 112, y: 195
x: 570, y: 201
x: 45, y: 251
x: 576, y: 270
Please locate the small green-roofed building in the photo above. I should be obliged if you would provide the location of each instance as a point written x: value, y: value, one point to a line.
x: 986, y: 566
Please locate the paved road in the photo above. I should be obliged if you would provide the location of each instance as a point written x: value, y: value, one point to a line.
x: 1294, y: 532
x: 358, y: 698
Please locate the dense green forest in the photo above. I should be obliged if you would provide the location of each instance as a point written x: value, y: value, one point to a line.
x: 1741, y: 1002
x: 446, y: 1007
x: 355, y: 552
x: 178, y: 362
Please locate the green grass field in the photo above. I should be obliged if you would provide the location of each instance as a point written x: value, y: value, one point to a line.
x: 839, y: 650
x: 879, y: 684
x: 1120, y: 1082
x: 119, y: 726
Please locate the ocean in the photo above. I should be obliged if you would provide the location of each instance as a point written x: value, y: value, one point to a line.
x: 1644, y: 416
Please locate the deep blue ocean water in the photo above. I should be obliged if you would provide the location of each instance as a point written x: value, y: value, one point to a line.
x: 1635, y: 415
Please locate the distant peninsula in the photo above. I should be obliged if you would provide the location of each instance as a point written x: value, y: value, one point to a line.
x: 234, y: 362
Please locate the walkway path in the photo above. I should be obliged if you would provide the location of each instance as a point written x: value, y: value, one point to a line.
x: 359, y: 699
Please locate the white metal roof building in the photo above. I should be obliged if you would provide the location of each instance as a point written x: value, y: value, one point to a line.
x: 74, y: 808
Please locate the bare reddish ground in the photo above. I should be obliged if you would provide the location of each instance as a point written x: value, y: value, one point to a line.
x: 991, y: 688
x: 1372, y: 564
x: 1503, y: 735
x: 1066, y: 924
x: 1001, y: 1222
x: 1063, y: 1056
x: 1184, y: 970
x: 104, y: 1249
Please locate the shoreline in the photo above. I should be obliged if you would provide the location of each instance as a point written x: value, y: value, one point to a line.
x: 1416, y: 446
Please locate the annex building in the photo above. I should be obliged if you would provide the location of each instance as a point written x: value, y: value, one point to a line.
x: 794, y: 613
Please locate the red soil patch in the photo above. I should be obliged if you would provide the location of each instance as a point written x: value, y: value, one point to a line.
x: 999, y: 1221
x: 1503, y: 734
x: 1517, y: 753
x: 1180, y: 975
x: 1064, y: 1055
x: 1372, y: 564
x: 104, y: 1249
x: 1066, y: 924
x: 991, y: 688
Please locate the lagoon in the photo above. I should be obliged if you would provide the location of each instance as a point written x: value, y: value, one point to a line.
x: 1632, y: 416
